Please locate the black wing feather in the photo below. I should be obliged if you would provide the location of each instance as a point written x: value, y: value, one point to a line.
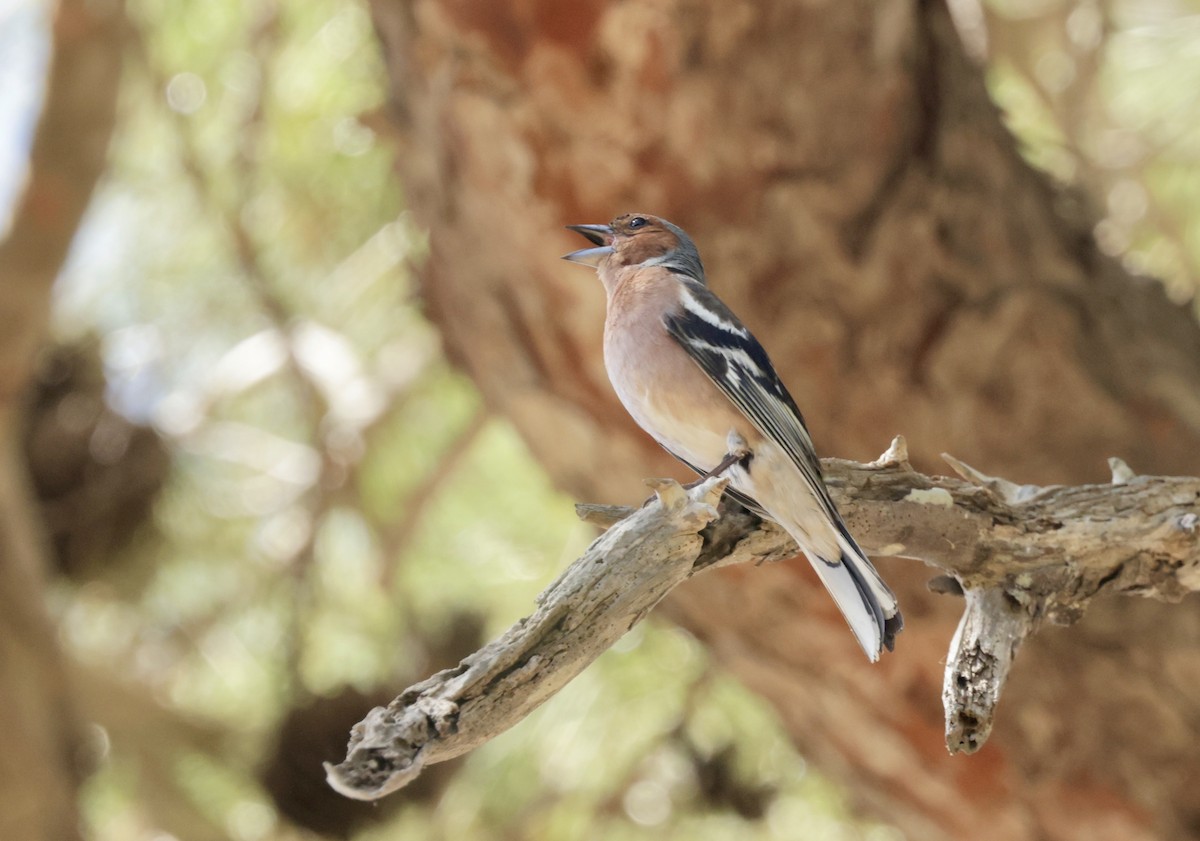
x: 735, y: 361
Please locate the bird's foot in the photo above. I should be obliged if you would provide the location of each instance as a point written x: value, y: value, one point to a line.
x: 739, y: 455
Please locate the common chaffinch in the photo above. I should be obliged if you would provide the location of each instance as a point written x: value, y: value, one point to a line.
x: 692, y: 375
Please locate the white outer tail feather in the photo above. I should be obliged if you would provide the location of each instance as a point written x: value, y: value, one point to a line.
x: 887, y: 599
x: 839, y: 581
x: 845, y: 581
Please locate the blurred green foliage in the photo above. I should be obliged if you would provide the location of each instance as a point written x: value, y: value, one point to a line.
x: 342, y: 510
x: 1105, y: 96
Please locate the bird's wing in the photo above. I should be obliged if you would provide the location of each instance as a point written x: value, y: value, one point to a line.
x: 734, y: 360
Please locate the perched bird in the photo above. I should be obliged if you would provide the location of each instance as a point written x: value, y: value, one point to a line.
x: 694, y: 377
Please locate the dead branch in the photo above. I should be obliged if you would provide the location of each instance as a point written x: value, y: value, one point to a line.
x: 1021, y: 554
x: 592, y: 604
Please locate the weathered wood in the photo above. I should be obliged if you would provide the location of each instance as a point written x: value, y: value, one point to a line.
x: 992, y: 628
x: 1022, y: 554
x: 599, y: 597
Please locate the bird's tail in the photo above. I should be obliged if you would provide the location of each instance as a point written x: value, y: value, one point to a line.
x: 862, y: 596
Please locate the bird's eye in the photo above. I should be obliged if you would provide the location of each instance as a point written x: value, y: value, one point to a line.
x: 637, y: 222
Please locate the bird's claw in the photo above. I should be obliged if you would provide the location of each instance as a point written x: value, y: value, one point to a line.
x: 739, y: 453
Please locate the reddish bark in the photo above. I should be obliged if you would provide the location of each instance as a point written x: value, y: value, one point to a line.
x: 859, y: 203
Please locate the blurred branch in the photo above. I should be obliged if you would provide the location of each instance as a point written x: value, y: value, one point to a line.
x: 155, y: 737
x: 67, y: 159
x: 40, y: 767
x: 1039, y: 552
x: 396, y: 537
x: 258, y: 281
x: 266, y: 293
x: 264, y: 41
x: 266, y: 297
x: 1077, y: 105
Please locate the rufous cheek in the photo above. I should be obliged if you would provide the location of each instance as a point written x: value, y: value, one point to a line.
x: 646, y: 246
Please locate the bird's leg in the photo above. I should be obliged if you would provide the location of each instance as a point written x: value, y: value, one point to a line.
x: 738, y: 453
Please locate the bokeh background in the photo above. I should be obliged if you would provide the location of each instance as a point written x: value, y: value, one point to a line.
x: 271, y: 482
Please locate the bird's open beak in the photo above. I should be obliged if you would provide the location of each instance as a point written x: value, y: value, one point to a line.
x: 601, y: 235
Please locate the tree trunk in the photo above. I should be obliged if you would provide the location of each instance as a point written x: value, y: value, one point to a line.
x: 42, y: 763
x: 859, y: 203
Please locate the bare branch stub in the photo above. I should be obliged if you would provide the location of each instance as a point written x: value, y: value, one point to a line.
x: 992, y: 628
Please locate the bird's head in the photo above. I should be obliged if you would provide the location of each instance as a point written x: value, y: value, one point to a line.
x: 638, y: 240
